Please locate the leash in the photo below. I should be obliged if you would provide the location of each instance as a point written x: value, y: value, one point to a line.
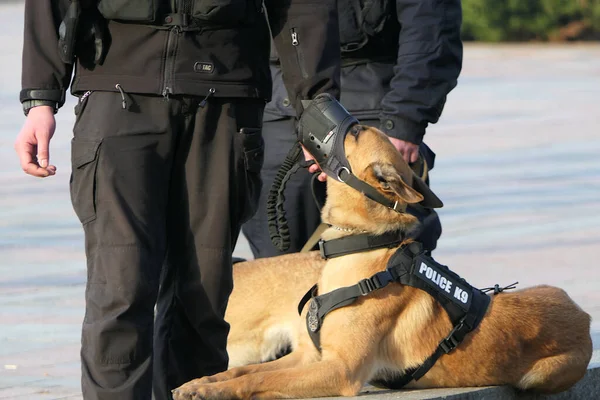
x: 314, y: 238
x: 279, y: 231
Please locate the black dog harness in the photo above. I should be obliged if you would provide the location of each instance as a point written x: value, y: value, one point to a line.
x: 358, y: 243
x: 409, y: 266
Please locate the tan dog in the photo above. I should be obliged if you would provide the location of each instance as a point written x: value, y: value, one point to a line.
x: 536, y: 338
x: 264, y: 316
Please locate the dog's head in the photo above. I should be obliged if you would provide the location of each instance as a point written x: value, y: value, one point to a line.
x: 376, y: 161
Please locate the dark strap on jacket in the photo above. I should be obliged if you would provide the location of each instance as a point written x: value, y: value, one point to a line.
x: 464, y: 304
x: 359, y: 243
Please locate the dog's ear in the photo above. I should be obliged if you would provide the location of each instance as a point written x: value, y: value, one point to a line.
x: 430, y: 200
x: 390, y: 181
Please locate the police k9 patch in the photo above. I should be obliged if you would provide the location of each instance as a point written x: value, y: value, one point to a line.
x: 444, y: 281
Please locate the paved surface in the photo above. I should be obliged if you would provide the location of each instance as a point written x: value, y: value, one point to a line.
x: 517, y: 167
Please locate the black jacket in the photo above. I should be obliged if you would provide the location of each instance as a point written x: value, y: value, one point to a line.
x: 403, y: 74
x: 231, y: 58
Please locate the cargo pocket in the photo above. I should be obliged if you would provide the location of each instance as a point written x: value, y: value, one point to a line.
x: 84, y: 164
x: 253, y: 147
x: 224, y: 11
x: 129, y: 10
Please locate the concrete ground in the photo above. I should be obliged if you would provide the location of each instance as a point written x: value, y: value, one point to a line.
x: 517, y: 167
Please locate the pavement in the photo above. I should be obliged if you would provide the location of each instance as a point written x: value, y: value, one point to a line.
x: 517, y: 167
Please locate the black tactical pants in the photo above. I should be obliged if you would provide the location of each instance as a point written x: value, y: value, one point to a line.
x: 302, y: 212
x: 161, y: 188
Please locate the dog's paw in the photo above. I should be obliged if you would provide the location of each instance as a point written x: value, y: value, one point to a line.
x: 207, y: 379
x: 189, y: 391
x: 197, y: 390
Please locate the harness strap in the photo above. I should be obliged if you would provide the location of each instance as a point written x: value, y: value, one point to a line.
x: 323, y: 305
x: 359, y: 243
x: 464, y: 304
x: 446, y: 346
x: 369, y: 191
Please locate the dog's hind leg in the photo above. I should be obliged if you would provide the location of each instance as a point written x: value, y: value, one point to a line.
x: 555, y: 374
x: 331, y: 377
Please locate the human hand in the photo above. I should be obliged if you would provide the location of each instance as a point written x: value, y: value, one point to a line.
x: 314, y: 167
x: 33, y: 142
x: 409, y: 151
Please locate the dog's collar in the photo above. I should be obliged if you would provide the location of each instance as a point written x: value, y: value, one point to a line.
x: 339, y: 228
x: 359, y: 243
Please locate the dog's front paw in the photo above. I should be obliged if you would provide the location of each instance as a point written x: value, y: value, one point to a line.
x: 208, y: 379
x: 189, y: 391
x: 199, y: 389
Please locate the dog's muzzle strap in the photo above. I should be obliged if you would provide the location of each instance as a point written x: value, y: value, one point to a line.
x: 369, y: 191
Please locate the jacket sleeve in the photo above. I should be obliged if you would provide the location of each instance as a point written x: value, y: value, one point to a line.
x: 427, y: 68
x: 306, y: 37
x: 44, y: 76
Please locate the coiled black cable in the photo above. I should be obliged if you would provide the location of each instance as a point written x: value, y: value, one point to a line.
x: 278, y: 226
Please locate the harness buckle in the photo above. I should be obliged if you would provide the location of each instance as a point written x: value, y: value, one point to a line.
x: 322, y: 248
x: 368, y: 285
x: 451, y: 342
x: 400, y: 208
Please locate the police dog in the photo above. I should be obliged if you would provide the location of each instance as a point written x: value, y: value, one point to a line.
x: 534, y: 339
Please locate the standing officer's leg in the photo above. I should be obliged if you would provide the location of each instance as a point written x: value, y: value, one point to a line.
x: 302, y: 213
x: 215, y: 185
x: 121, y: 167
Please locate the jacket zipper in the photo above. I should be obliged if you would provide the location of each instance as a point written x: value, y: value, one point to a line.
x: 170, y: 61
x: 296, y: 44
x: 186, y: 7
x: 81, y: 101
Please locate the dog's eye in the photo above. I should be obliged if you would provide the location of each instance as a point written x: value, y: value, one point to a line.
x: 355, y: 130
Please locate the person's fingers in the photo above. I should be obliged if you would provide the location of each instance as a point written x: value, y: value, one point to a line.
x: 410, y: 154
x: 414, y: 155
x: 43, y: 152
x: 26, y: 153
x: 405, y: 154
x: 314, y: 167
x: 33, y: 142
x: 307, y: 155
